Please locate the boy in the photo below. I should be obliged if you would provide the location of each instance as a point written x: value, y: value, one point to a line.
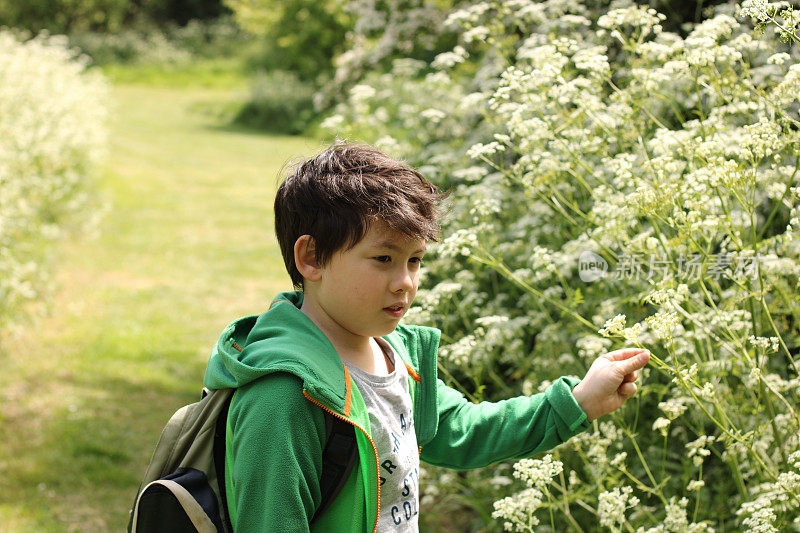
x: 352, y: 224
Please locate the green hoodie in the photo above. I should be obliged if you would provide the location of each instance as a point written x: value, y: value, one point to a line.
x: 286, y: 372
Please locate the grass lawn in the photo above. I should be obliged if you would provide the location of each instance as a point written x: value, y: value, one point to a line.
x: 186, y: 247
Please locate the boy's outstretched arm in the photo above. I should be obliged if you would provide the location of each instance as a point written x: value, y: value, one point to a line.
x: 471, y: 435
x: 610, y: 381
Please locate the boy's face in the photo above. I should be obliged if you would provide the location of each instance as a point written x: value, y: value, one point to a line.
x: 364, y: 291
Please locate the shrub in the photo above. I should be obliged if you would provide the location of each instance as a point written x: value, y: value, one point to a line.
x: 300, y: 36
x: 614, y: 184
x: 279, y: 102
x: 52, y: 134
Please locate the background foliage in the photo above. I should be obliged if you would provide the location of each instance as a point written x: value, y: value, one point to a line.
x: 73, y: 16
x: 570, y: 128
x: 666, y: 145
x: 300, y: 36
x: 52, y: 136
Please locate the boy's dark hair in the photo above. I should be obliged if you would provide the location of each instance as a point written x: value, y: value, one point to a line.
x: 336, y: 195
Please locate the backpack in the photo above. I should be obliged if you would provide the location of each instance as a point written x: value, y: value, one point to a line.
x: 183, y: 489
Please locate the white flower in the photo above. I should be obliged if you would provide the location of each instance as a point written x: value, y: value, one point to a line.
x: 447, y: 60
x: 333, y: 122
x: 663, y: 323
x: 768, y: 344
x: 778, y: 59
x: 538, y: 472
x: 697, y: 449
x: 794, y: 459
x: 593, y: 60
x: 761, y: 521
x: 517, y: 510
x: 591, y: 346
x: 673, y: 407
x: 659, y: 296
x: 619, y: 460
x: 676, y: 519
x: 433, y: 115
x: 643, y: 17
x: 461, y: 352
x: 480, y: 149
x: 661, y: 425
x: 632, y: 333
x: 757, y: 9
x: 52, y: 137
x: 762, y: 139
x: 612, y: 506
x: 461, y: 242
x: 362, y: 92
x: 613, y: 326
x: 687, y: 374
x: 695, y: 484
x: 477, y: 33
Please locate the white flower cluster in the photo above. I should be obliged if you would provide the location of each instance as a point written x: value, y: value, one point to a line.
x: 461, y: 352
x: 767, y: 344
x: 461, y: 242
x: 663, y: 323
x: 661, y: 296
x: 757, y: 9
x: 517, y: 511
x: 613, y: 504
x: 538, y: 472
x: 762, y: 139
x: 647, y: 19
x: 760, y: 517
x: 52, y: 136
x: 698, y: 449
x: 661, y: 425
x: 593, y: 60
x: 447, y: 60
x: 613, y: 326
x: 591, y: 346
x: 479, y: 150
x: 695, y: 485
x: 362, y: 92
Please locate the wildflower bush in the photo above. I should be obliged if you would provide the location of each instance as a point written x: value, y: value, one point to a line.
x: 52, y: 134
x: 613, y: 184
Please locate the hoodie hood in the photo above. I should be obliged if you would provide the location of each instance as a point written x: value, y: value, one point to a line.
x: 283, y: 339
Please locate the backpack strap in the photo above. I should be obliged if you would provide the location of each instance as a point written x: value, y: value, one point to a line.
x: 220, y: 430
x: 338, y: 458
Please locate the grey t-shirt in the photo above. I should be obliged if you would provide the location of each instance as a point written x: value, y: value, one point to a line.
x: 388, y: 402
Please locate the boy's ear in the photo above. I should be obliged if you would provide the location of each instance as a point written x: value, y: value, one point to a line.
x: 305, y: 258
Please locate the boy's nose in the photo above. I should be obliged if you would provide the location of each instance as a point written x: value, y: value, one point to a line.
x: 404, y: 282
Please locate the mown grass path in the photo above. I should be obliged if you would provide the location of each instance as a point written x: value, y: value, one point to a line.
x: 186, y: 247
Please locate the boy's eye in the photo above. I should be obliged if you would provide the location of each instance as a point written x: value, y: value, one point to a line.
x: 417, y: 260
x: 383, y: 258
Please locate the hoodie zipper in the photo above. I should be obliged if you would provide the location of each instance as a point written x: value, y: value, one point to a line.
x: 374, y: 451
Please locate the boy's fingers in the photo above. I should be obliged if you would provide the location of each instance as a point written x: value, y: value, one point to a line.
x: 633, y: 376
x: 634, y: 362
x: 623, y: 354
x: 627, y: 390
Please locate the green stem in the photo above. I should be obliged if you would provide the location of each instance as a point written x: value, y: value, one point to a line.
x: 697, y: 499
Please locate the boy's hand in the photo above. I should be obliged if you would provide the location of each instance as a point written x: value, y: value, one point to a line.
x: 610, y: 381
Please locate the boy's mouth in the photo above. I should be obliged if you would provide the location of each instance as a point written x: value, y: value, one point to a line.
x: 395, y: 310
